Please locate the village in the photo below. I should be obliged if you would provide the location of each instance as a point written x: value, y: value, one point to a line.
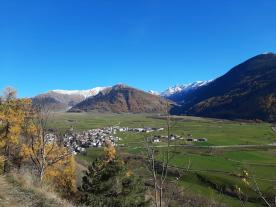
x: 78, y: 142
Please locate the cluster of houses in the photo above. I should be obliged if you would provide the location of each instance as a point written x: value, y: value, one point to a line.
x: 159, y: 138
x: 147, y: 129
x: 78, y: 141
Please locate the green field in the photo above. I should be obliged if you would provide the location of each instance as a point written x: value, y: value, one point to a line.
x: 219, y: 166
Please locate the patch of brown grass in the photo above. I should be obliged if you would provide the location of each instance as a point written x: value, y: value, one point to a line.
x: 44, y: 194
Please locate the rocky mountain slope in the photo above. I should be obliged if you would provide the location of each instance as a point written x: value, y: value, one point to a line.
x: 123, y: 99
x: 248, y: 91
x: 62, y: 100
x: 84, y: 93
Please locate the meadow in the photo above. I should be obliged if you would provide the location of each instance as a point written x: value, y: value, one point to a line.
x: 213, y: 172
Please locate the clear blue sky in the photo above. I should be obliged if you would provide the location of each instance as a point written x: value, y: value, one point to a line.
x: 149, y: 44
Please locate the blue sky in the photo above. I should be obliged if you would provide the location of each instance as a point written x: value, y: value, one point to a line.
x: 149, y: 44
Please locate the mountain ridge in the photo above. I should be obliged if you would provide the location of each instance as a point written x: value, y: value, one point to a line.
x: 123, y: 99
x: 247, y: 91
x: 183, y: 87
x: 62, y: 100
x: 86, y: 93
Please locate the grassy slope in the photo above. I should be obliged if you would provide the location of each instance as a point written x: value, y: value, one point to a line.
x: 260, y: 162
x: 13, y: 194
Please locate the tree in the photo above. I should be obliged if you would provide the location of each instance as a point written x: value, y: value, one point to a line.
x: 23, y: 135
x: 159, y: 173
x: 12, y: 117
x: 250, y: 181
x: 62, y: 176
x: 109, y: 183
x: 44, y: 151
x: 159, y: 169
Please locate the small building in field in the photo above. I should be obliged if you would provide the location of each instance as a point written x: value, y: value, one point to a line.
x: 202, y: 139
x: 156, y: 140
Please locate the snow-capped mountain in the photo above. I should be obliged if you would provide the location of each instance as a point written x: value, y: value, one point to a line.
x: 86, y: 93
x: 183, y: 88
x: 154, y: 92
x: 122, y: 98
x: 62, y: 100
x: 232, y: 96
x: 65, y: 99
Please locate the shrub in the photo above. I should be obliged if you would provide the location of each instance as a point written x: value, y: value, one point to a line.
x: 109, y: 183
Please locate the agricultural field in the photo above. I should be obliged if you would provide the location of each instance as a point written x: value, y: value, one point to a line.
x: 212, y: 169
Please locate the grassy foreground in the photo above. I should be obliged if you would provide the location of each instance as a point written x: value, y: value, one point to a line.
x: 218, y: 166
x: 16, y: 191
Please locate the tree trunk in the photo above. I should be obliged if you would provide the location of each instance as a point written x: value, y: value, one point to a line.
x: 41, y: 175
x: 160, y: 197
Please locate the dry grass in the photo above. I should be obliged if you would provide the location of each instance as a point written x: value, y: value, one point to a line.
x: 2, y: 159
x: 21, y: 189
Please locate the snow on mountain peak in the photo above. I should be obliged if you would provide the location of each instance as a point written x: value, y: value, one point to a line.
x: 267, y: 53
x: 170, y: 91
x: 154, y: 92
x: 85, y: 93
x: 184, y: 87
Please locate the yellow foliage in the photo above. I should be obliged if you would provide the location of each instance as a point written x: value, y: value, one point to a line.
x: 12, y: 115
x: 53, y: 163
x: 62, y: 176
x: 2, y: 143
x: 245, y: 181
x: 25, y: 151
x: 238, y: 189
x: 129, y: 173
x: 2, y: 160
x: 110, y: 152
x: 59, y: 164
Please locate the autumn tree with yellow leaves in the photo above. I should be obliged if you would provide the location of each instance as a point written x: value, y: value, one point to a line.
x: 13, y: 112
x: 23, y: 136
x: 52, y: 161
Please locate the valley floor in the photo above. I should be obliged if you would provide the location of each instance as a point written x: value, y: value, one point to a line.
x: 217, y: 164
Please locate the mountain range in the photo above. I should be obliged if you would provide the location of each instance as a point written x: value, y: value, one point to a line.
x: 179, y: 92
x: 122, y: 99
x: 63, y: 100
x: 183, y: 88
x: 247, y: 91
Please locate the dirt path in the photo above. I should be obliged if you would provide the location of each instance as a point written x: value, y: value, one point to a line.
x: 12, y: 196
x: 5, y: 199
x: 272, y: 145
